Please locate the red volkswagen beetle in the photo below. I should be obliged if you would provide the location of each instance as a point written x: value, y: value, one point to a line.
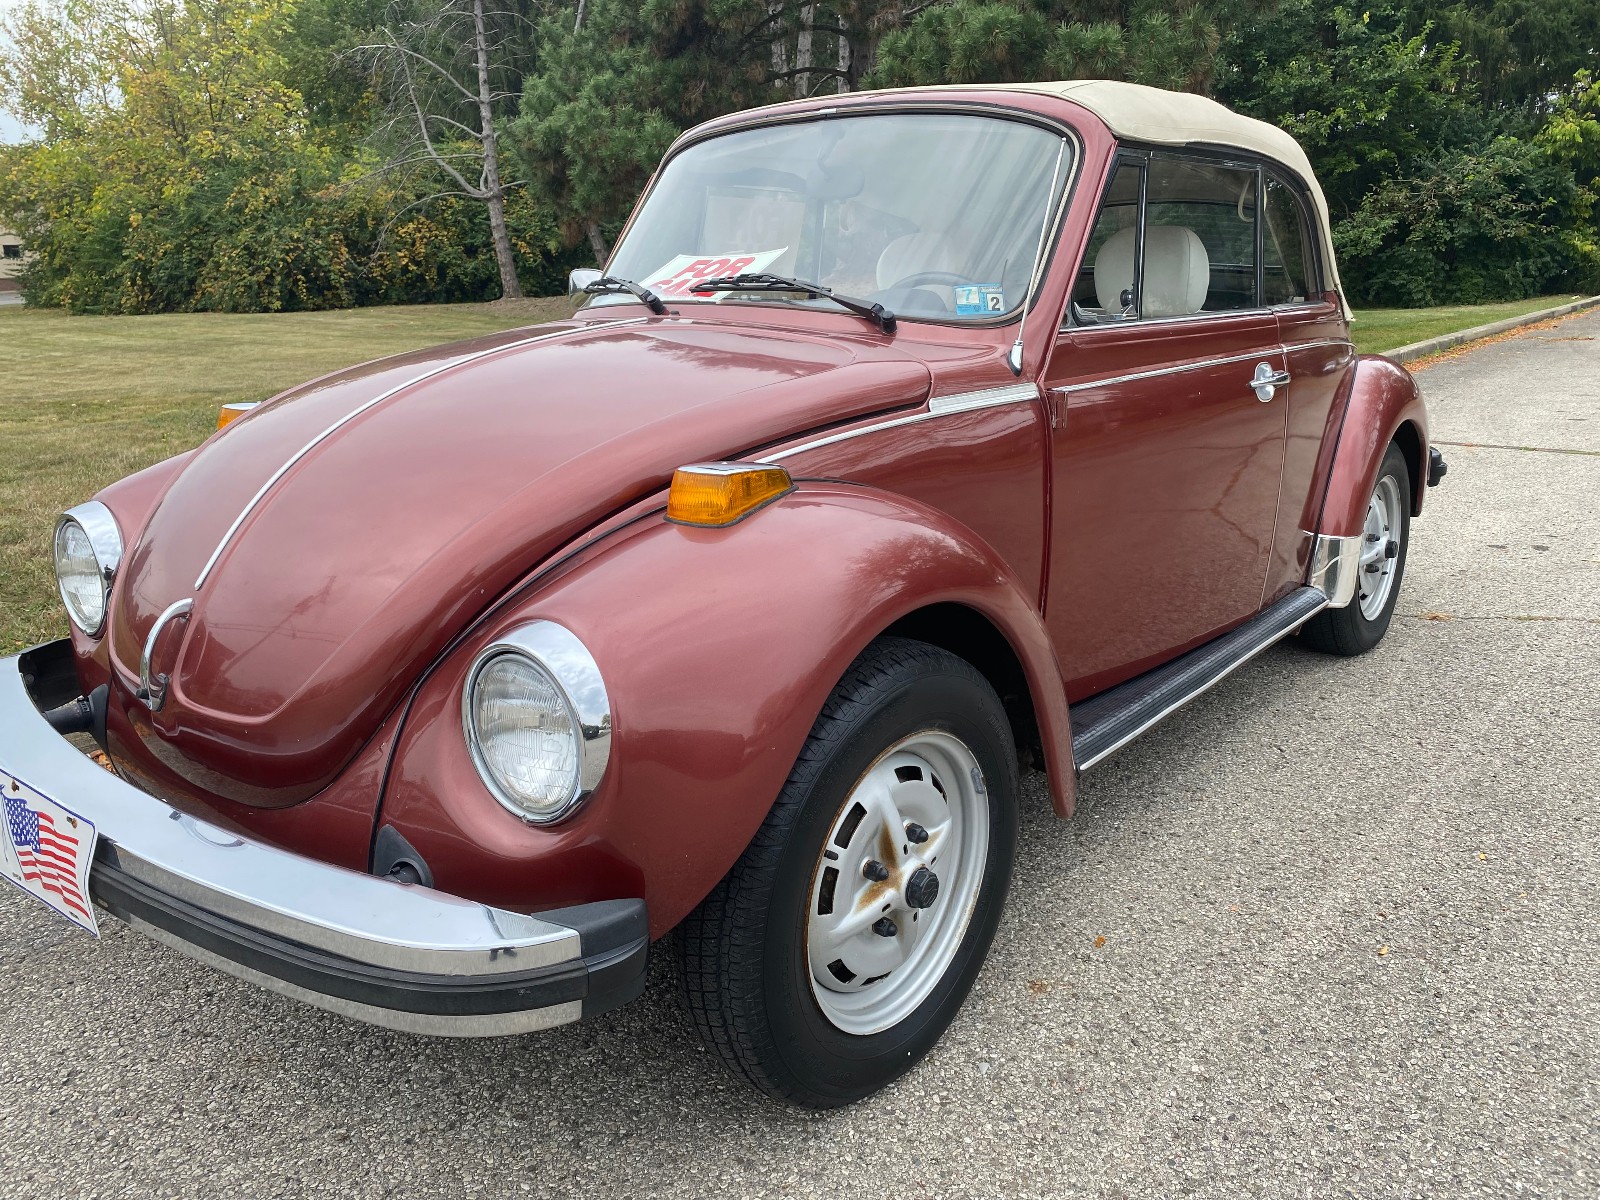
x: 907, y: 438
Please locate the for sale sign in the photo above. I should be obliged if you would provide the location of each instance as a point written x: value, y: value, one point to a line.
x: 677, y: 277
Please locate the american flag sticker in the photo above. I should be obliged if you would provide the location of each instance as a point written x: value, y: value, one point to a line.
x: 46, y: 851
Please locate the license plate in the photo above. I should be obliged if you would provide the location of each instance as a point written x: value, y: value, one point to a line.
x: 46, y: 850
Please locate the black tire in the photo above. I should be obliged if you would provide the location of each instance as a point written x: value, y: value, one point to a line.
x: 1348, y: 631
x: 744, y: 973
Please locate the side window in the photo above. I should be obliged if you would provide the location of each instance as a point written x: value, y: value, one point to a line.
x: 1105, y: 291
x: 1286, y: 248
x: 1194, y: 251
x: 1200, y: 238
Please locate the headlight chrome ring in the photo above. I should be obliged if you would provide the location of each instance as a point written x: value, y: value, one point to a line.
x: 536, y: 694
x: 88, y: 551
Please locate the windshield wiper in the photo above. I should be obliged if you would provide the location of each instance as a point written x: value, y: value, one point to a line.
x: 761, y: 281
x: 611, y: 285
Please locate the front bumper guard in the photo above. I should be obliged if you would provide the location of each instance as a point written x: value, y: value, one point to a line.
x: 392, y: 954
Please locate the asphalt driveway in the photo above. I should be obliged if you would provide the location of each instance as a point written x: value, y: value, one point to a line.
x: 1333, y: 930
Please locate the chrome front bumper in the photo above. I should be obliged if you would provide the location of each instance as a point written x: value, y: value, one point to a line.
x: 392, y: 954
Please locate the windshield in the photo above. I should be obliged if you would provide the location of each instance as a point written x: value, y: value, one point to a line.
x: 936, y: 216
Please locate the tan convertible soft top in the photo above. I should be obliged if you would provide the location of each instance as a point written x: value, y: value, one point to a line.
x: 1145, y: 114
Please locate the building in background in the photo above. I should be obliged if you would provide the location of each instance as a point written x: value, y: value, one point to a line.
x: 10, y: 261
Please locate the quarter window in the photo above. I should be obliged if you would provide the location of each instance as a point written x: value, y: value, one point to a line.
x: 1286, y: 253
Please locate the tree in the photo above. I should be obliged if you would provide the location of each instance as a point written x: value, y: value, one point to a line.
x: 1362, y: 94
x: 1171, y: 45
x: 436, y: 66
x: 618, y: 81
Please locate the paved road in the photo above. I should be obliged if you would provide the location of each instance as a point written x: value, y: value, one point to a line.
x: 1239, y: 1032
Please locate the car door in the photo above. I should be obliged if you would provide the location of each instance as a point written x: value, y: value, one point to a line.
x: 1165, y: 463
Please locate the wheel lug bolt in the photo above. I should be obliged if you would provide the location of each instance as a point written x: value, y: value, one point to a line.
x: 1391, y: 551
x: 1372, y: 537
x: 874, y: 870
x: 916, y: 833
x: 884, y: 927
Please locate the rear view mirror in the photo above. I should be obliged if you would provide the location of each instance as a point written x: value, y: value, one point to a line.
x: 581, y: 278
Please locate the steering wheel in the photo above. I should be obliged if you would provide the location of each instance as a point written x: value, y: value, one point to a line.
x: 933, y: 278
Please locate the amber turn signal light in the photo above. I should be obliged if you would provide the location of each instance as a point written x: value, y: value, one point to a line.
x: 716, y: 494
x: 232, y: 412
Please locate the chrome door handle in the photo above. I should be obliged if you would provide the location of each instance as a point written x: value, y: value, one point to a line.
x: 1266, y: 381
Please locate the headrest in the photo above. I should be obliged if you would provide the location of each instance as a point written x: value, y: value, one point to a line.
x: 1177, y: 271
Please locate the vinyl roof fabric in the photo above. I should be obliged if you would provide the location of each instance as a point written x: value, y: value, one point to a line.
x: 1137, y: 113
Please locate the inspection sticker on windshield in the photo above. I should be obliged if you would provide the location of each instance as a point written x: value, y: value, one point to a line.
x: 980, y: 300
x: 686, y: 270
x: 46, y: 851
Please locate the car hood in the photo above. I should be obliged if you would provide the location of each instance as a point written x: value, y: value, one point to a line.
x: 335, y: 540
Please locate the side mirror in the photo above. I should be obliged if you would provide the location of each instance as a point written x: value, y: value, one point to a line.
x: 581, y: 278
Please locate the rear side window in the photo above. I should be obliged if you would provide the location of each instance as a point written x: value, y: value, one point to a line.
x: 1286, y: 249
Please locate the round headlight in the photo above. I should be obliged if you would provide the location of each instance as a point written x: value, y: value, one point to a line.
x: 88, y: 549
x: 537, y: 721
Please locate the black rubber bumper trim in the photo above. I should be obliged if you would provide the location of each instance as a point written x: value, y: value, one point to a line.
x: 613, y: 938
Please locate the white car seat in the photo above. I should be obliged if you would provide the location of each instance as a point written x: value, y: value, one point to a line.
x: 1177, y: 271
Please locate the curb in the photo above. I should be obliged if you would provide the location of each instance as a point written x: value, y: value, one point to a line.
x: 1449, y: 341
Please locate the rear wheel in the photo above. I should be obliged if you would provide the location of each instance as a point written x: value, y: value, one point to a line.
x: 1361, y: 624
x: 842, y: 943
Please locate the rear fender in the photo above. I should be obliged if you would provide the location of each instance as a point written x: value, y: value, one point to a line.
x: 718, y: 648
x: 1385, y: 406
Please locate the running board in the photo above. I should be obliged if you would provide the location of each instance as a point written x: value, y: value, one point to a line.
x: 1103, y: 724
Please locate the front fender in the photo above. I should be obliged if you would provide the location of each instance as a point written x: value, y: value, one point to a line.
x: 131, y: 500
x: 718, y: 648
x: 1385, y: 404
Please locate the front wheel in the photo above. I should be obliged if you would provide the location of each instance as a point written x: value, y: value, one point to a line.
x: 843, y: 941
x: 1361, y: 624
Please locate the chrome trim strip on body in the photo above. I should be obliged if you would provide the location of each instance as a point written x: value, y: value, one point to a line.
x: 1200, y: 365
x: 440, y: 369
x: 1270, y: 638
x: 377, y: 922
x: 941, y: 406
x: 987, y: 398
x: 568, y: 662
x: 1345, y: 342
x: 1335, y: 567
x: 1176, y: 369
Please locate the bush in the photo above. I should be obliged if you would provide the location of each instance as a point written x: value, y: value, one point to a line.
x: 1466, y: 227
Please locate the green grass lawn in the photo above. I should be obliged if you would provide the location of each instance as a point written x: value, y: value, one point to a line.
x: 87, y: 400
x: 1379, y: 329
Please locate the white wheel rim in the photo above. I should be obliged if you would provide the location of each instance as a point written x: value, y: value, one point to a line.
x: 1380, y: 548
x: 864, y: 979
